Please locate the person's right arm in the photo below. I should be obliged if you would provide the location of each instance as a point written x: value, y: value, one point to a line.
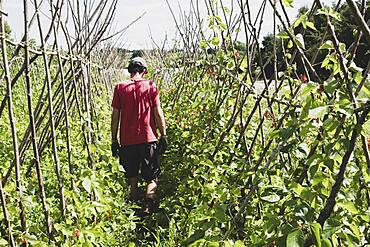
x: 114, y: 124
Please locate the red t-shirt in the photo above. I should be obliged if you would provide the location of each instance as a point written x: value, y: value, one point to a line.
x: 136, y: 99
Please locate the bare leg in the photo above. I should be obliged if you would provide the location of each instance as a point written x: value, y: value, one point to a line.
x: 133, y: 187
x: 151, y: 203
x: 151, y: 188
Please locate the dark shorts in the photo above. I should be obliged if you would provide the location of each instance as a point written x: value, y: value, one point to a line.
x: 140, y: 159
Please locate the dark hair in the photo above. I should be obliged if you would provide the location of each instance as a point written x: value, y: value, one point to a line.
x: 133, y: 69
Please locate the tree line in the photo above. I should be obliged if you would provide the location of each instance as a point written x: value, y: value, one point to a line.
x: 313, y: 30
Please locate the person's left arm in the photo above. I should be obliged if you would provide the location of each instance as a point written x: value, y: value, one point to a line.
x: 160, y: 122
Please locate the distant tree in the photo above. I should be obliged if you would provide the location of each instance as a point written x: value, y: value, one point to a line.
x: 137, y: 53
x: 121, y: 50
x: 312, y: 39
x: 240, y: 46
x: 8, y: 30
x: 211, y: 51
x: 302, y: 10
x: 267, y: 55
x: 345, y: 29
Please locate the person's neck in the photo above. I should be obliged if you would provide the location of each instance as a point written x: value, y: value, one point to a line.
x: 137, y: 76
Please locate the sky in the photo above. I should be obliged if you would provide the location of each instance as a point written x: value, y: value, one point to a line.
x: 156, y: 23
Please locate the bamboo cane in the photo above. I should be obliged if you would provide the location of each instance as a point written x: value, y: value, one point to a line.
x: 75, y: 88
x: 6, y: 214
x: 14, y: 131
x: 33, y: 129
x: 65, y: 103
x: 12, y: 123
x: 51, y: 119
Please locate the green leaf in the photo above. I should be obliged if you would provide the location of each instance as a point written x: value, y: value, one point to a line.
x: 213, y: 244
x: 327, y: 45
x: 331, y: 124
x: 288, y: 3
x: 319, y: 177
x: 350, y: 206
x: 306, y: 108
x: 357, y: 77
x: 307, y: 195
x: 185, y: 134
x: 92, y: 148
x: 203, y: 44
x: 239, y: 243
x: 220, y: 213
x: 307, y: 89
x: 227, y: 10
x: 3, y: 242
x: 342, y: 47
x: 244, y: 64
x: 356, y: 231
x: 329, y: 12
x: 227, y: 243
x: 325, y: 63
x: 223, y: 26
x: 230, y: 65
x: 86, y: 183
x: 316, y: 231
x: 271, y: 198
x: 344, y: 106
x: 365, y: 217
x: 197, y: 235
x: 365, y: 90
x: 303, y: 149
x: 297, y: 188
x: 318, y: 112
x: 295, y: 239
x: 334, y: 240
x: 290, y: 44
x: 301, y: 20
x: 300, y: 41
x: 311, y: 25
x: 283, y: 35
x: 326, y: 243
x: 215, y: 41
x: 336, y: 68
x: 97, y: 204
x: 366, y: 128
x: 330, y: 228
x: 331, y: 86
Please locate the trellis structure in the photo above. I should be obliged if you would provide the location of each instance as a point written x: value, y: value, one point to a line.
x: 61, y: 85
x: 269, y: 123
x: 259, y: 132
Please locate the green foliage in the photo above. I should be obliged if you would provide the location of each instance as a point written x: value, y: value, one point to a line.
x: 97, y: 208
x: 312, y: 28
x: 288, y: 3
x: 217, y: 176
x: 8, y: 29
x: 137, y: 53
x: 240, y: 171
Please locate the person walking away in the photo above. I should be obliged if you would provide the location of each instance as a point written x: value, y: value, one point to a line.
x: 137, y: 110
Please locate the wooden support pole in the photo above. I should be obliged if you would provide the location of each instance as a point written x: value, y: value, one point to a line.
x: 51, y: 114
x: 12, y: 119
x: 359, y: 19
x: 6, y: 215
x: 65, y: 103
